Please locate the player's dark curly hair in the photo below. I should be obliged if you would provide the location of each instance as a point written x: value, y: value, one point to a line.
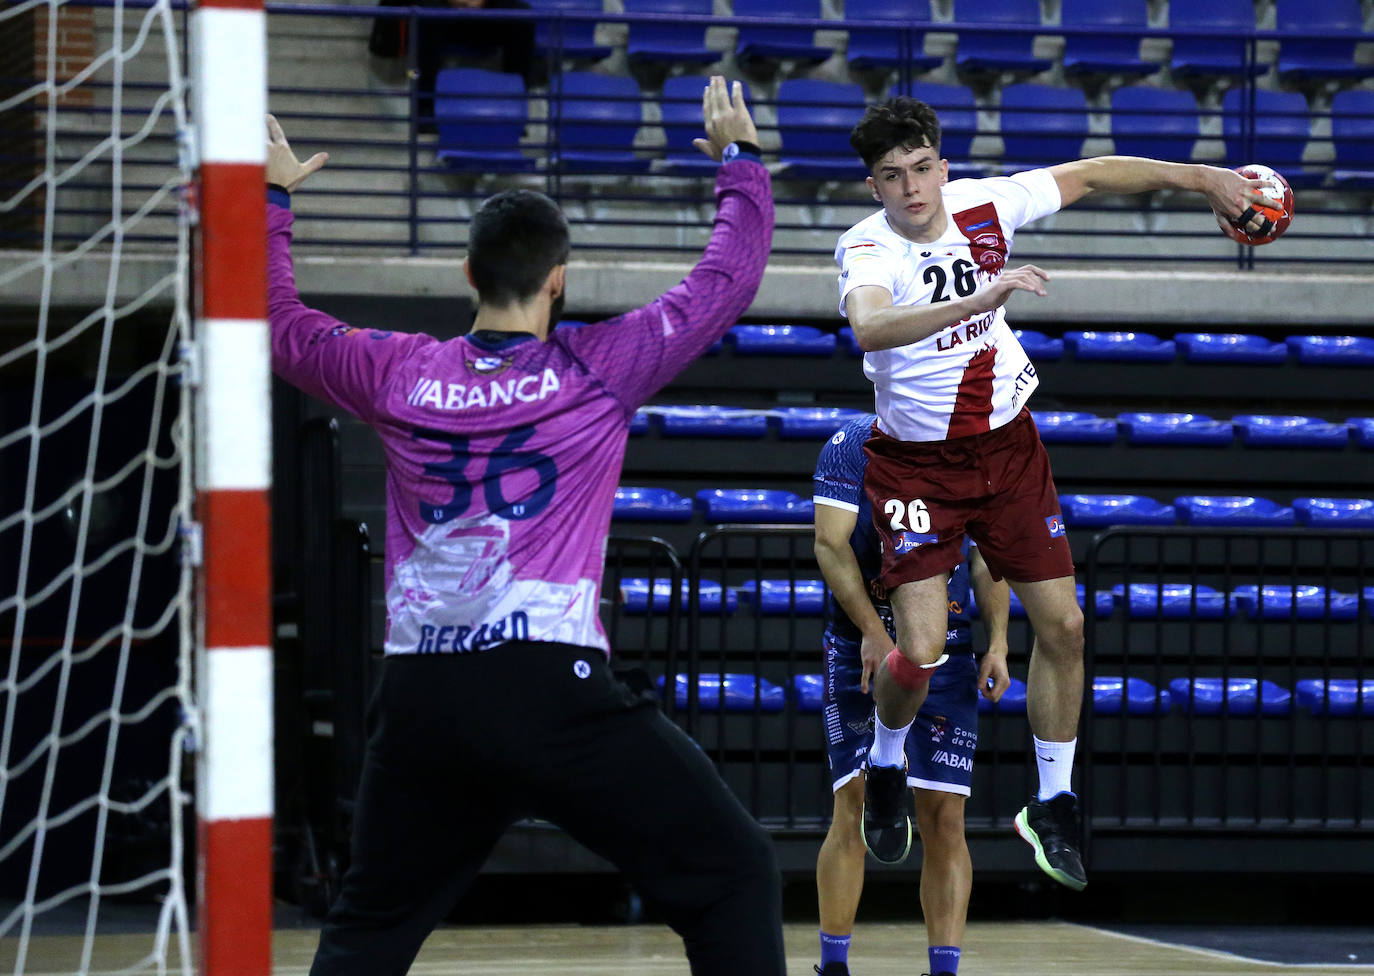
x: 902, y: 121
x: 515, y: 240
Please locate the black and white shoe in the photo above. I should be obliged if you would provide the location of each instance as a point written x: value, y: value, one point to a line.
x: 887, y: 824
x: 832, y: 969
x: 1054, y: 830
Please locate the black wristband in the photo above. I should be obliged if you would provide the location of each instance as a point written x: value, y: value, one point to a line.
x: 748, y: 147
x: 279, y: 188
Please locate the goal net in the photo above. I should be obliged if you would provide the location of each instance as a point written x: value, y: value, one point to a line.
x: 98, y: 719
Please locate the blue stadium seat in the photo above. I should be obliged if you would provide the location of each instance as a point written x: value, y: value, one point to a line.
x: 1221, y: 56
x: 1329, y: 350
x: 1138, y: 696
x: 1042, y: 125
x: 1238, y: 696
x: 881, y: 47
x: 1172, y: 601
x: 1074, y: 427
x: 1335, y: 513
x: 1175, y: 428
x: 808, y: 692
x: 1321, y: 60
x: 958, y: 113
x: 812, y: 423
x: 1040, y: 347
x: 1161, y: 123
x: 779, y: 43
x: 711, y: 421
x: 781, y: 340
x: 650, y: 505
x: 1338, y: 696
x: 1236, y: 510
x: 1101, y: 54
x: 1125, y: 347
x: 848, y: 341
x: 1303, y: 601
x: 1088, y: 511
x: 739, y: 696
x: 712, y: 597
x: 998, y: 51
x: 1260, y: 430
x: 1282, y: 128
x: 814, y: 120
x: 680, y: 108
x: 595, y: 118
x: 576, y: 39
x: 1231, y: 347
x: 1352, y: 138
x: 805, y: 598
x: 666, y: 42
x: 1363, y: 428
x: 1013, y: 700
x: 639, y: 423
x: 481, y: 116
x: 754, y: 505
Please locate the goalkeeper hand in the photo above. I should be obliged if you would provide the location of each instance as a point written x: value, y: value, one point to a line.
x: 283, y: 168
x: 726, y: 117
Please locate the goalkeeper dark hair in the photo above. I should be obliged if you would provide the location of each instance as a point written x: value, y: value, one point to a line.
x: 898, y: 122
x: 515, y: 240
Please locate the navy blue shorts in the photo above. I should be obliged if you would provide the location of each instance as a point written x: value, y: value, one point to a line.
x: 941, y: 743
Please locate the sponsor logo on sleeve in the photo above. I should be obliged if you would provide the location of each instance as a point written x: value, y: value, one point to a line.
x: 1055, y: 523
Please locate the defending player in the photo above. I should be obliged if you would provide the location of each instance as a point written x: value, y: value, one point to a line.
x: 939, y: 749
x: 955, y: 450
x: 496, y: 703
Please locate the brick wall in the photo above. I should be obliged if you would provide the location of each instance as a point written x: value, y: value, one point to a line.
x: 75, y: 48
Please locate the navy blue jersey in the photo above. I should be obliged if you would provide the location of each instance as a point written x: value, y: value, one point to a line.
x: 839, y: 482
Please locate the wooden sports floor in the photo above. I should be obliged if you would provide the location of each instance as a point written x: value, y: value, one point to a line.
x: 990, y: 949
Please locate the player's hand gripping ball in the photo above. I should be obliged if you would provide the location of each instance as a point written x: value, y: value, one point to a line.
x: 1273, y: 219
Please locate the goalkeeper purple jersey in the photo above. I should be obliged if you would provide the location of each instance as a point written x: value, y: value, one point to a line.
x: 503, y: 452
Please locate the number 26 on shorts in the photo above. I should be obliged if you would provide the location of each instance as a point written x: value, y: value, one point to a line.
x: 917, y: 515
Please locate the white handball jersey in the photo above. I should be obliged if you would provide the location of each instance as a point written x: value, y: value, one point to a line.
x: 972, y: 376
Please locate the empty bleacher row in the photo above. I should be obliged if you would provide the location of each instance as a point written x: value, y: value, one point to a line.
x: 596, y: 115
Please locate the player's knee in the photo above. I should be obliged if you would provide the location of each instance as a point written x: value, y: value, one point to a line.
x: 920, y: 649
x: 1063, y: 634
x: 941, y: 824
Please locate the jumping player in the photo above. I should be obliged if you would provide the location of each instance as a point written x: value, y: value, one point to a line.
x: 496, y: 702
x: 955, y: 450
x: 939, y: 749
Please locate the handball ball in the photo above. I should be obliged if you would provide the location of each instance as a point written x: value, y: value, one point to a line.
x: 1275, y: 218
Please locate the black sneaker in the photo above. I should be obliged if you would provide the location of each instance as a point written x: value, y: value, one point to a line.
x: 832, y: 969
x: 1054, y: 828
x: 887, y: 825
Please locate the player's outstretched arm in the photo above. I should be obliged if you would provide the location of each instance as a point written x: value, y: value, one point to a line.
x: 994, y: 606
x: 878, y: 324
x: 1227, y: 192
x: 636, y: 354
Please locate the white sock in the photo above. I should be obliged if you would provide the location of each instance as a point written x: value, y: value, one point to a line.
x: 1054, y: 760
x: 889, y: 745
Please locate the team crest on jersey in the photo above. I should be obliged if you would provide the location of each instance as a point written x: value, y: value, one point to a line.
x: 490, y: 365
x: 983, y: 229
x: 939, y: 728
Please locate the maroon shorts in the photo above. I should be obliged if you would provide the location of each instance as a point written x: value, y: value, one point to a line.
x: 996, y: 487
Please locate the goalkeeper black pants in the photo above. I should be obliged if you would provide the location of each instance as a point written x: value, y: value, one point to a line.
x: 463, y: 745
